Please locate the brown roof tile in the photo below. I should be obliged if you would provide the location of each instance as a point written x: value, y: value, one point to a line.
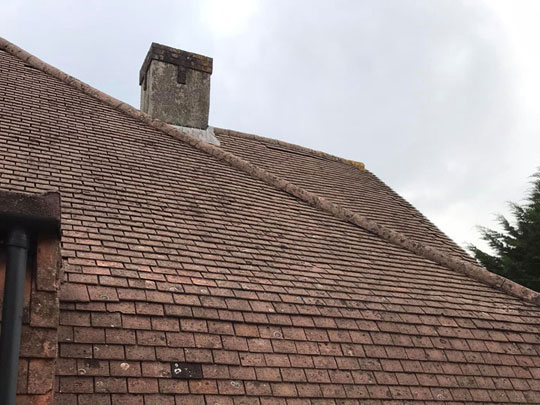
x: 289, y: 284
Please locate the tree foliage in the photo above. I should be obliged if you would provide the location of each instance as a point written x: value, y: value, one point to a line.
x: 517, y: 246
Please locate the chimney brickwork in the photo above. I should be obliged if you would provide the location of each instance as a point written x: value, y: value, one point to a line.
x: 175, y: 86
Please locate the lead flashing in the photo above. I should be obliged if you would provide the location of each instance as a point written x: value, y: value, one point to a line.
x: 206, y: 135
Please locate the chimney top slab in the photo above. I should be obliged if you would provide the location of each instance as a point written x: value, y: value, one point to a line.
x: 184, y: 60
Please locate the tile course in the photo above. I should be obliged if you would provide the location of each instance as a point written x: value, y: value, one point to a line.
x: 172, y: 255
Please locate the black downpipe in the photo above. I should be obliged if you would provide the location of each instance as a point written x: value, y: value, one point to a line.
x: 10, y: 342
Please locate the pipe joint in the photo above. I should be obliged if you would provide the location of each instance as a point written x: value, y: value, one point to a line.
x: 17, y: 237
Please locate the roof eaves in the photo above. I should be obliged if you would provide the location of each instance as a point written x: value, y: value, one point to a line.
x: 474, y: 271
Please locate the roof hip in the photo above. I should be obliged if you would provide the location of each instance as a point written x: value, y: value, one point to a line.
x: 474, y: 271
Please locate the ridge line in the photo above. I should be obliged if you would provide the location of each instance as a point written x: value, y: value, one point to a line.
x: 260, y: 138
x: 416, y: 214
x: 474, y: 271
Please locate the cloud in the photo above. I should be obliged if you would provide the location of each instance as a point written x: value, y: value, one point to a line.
x: 422, y: 92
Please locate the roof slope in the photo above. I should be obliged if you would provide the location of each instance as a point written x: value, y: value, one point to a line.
x: 342, y: 183
x: 171, y: 254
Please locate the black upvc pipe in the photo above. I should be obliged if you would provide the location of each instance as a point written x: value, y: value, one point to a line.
x: 10, y: 342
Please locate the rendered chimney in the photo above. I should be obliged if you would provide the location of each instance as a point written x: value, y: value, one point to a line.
x: 176, y: 86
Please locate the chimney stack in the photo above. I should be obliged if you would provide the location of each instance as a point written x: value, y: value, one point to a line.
x: 175, y: 87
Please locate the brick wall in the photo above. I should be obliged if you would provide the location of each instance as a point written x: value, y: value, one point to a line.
x: 40, y: 322
x: 39, y: 344
x: 40, y: 215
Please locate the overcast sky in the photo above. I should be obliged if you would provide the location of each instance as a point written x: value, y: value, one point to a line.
x: 440, y: 99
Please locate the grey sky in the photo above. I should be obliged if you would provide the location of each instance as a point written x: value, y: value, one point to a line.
x: 440, y: 99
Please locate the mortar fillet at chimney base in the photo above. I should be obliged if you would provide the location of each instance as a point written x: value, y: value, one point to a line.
x: 175, y: 86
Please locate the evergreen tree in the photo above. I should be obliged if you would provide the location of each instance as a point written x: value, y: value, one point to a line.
x: 517, y: 247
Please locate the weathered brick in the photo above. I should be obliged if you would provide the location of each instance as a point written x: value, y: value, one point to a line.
x: 36, y: 399
x: 198, y: 355
x: 260, y: 345
x: 127, y: 399
x: 65, y: 399
x: 203, y: 387
x: 74, y: 292
x: 170, y: 354
x: 75, y: 318
x: 180, y: 339
x: 94, y: 399
x: 284, y: 390
x: 125, y: 368
x: 231, y: 387
x: 93, y: 367
x: 237, y: 373
x: 172, y: 386
x: 140, y: 353
x: 246, y: 330
x: 268, y: 374
x: 234, y: 343
x: 207, y: 341
x: 22, y: 377
x: 151, y: 338
x: 110, y: 384
x: 40, y: 376
x: 156, y: 369
x: 38, y: 342
x: 109, y: 352
x: 190, y: 400
x: 76, y: 384
x: 66, y: 366
x: 48, y: 263
x: 136, y: 322
x: 142, y: 385
x: 107, y: 320
x: 145, y: 308
x: 120, y: 336
x: 258, y: 388
x: 88, y: 335
x: 98, y: 293
x: 165, y: 324
x: 72, y: 350
x: 221, y: 328
x: 44, y: 309
x: 193, y: 325
x: 158, y: 399
x: 227, y: 357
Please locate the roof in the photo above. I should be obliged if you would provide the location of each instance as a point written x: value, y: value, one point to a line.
x: 290, y: 276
